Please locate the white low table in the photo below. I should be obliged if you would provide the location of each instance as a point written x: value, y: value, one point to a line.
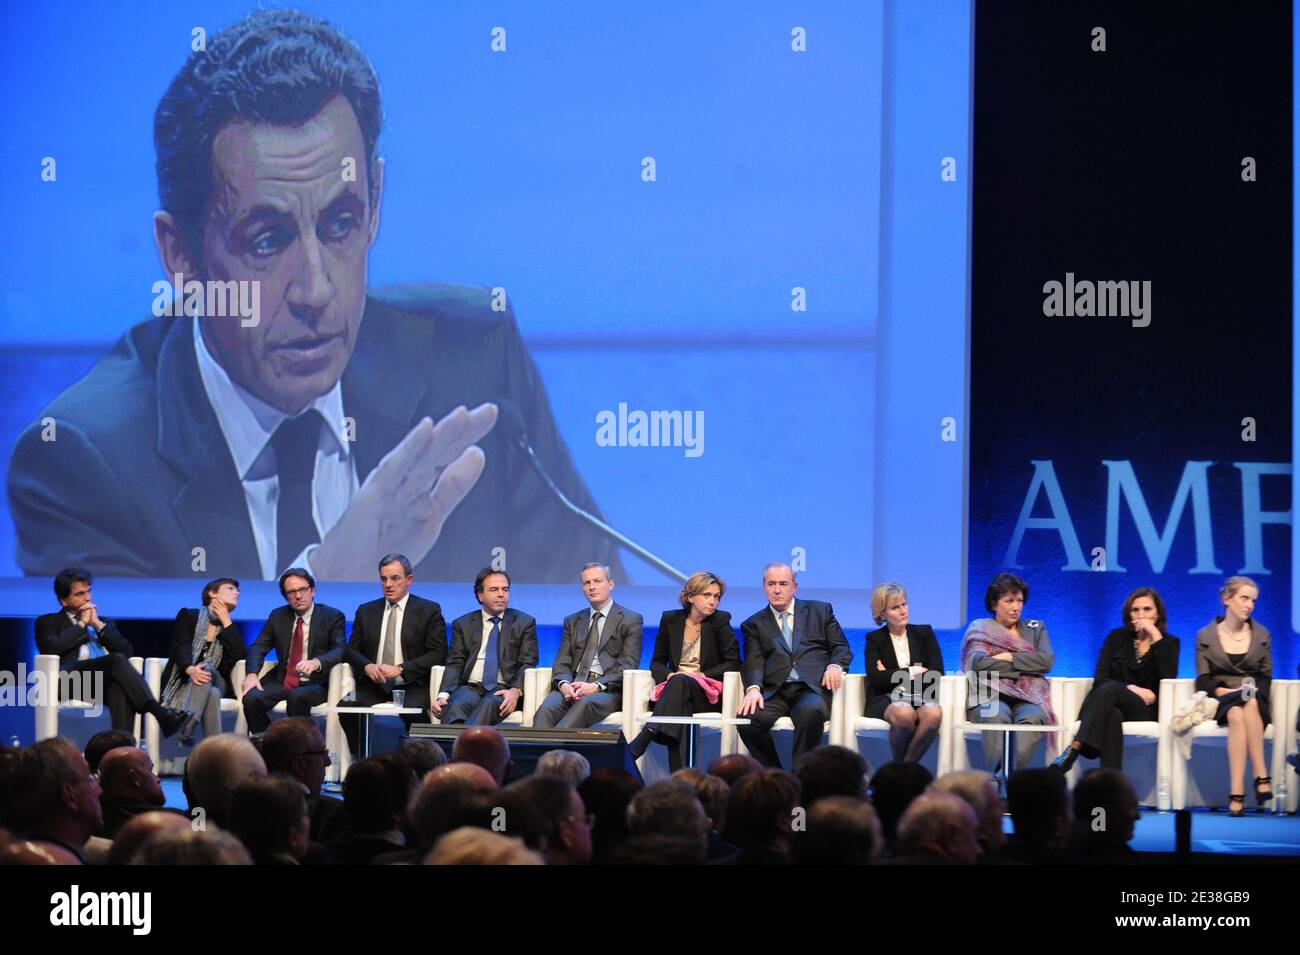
x: 694, y: 722
x: 379, y: 709
x: 1006, y: 729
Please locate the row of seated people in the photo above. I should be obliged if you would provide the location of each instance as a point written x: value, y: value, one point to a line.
x: 795, y: 656
x: 261, y: 802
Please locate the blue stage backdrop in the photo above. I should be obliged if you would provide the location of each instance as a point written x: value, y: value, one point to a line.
x: 1150, y: 447
x: 747, y: 231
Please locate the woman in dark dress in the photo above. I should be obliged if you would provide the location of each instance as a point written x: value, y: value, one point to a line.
x: 205, y: 647
x: 694, y: 649
x: 1234, y: 663
x: 904, y: 667
x: 1126, y: 685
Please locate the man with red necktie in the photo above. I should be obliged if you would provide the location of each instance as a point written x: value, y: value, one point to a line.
x: 308, y: 641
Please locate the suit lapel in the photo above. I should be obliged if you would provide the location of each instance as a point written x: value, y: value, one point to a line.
x: 210, y: 506
x: 675, y: 641
x: 798, y: 623
x: 382, y: 404
x: 408, y: 627
x: 887, y: 654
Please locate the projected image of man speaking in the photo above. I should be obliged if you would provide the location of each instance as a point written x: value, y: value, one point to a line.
x: 314, y: 422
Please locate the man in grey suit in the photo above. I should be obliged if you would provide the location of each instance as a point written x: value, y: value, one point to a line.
x: 596, y: 646
x: 796, y: 656
x: 490, y: 649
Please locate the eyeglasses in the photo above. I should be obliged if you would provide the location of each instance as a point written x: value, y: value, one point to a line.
x: 590, y: 817
x: 297, y: 592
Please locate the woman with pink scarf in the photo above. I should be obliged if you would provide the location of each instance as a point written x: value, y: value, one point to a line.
x: 1006, y: 660
x: 696, y: 646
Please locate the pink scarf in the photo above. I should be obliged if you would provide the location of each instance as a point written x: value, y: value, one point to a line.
x: 988, y: 636
x: 712, y: 688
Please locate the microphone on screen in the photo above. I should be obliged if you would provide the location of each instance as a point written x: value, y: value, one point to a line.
x: 511, y: 425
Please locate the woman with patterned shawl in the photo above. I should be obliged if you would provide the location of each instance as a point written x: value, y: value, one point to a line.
x: 1006, y: 659
x: 205, y: 646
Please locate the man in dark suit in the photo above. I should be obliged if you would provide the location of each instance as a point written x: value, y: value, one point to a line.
x: 308, y: 641
x: 596, y: 646
x: 396, y: 642
x: 87, y: 646
x: 294, y: 747
x: 795, y: 658
x: 490, y: 649
x: 290, y: 436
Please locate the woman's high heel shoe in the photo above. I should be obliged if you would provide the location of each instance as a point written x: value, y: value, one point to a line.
x: 1066, y: 759
x: 1237, y: 798
x: 1263, y: 797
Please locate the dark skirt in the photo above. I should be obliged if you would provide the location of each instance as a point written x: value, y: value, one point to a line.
x: 876, y: 707
x: 1227, y: 703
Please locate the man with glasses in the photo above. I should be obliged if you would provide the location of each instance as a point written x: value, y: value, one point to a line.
x: 308, y: 641
x: 294, y: 747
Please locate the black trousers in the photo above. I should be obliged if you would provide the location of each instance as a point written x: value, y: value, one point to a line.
x: 1101, y: 721
x: 125, y: 692
x: 807, y: 709
x: 259, y: 703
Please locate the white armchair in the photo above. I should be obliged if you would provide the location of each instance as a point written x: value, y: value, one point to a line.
x: 165, y: 752
x: 1202, y: 779
x: 1147, y: 743
x: 715, y: 741
x: 53, y: 714
x: 537, y: 686
x: 870, y: 736
x: 783, y: 729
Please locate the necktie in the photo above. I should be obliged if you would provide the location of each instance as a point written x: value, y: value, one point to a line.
x: 491, y: 661
x: 589, y: 648
x: 389, y: 656
x: 295, y: 656
x: 96, y: 650
x: 785, y: 631
x: 295, y: 443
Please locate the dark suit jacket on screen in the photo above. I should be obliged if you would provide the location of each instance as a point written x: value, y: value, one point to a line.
x: 139, y: 473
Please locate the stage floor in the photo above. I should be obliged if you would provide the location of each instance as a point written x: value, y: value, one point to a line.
x: 1217, y: 832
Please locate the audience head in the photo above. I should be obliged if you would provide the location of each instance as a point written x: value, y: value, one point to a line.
x: 126, y: 775
x: 606, y: 794
x: 832, y: 771
x: 139, y: 829
x: 893, y: 787
x: 294, y: 747
x: 1040, y: 806
x: 712, y: 793
x: 484, y: 746
x: 472, y: 846
x: 270, y: 816
x: 442, y: 797
x: 422, y: 755
x: 1106, y: 806
x: 941, y: 823
x: 731, y: 768
x: 760, y: 810
x: 568, y: 765
x: 54, y: 792
x: 102, y: 742
x: 375, y: 794
x: 187, y: 846
x: 216, y: 768
x: 841, y: 830
x: 568, y: 840
x: 980, y: 791
x: 668, y: 808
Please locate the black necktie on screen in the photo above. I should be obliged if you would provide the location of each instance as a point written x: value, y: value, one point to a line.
x: 295, y: 443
